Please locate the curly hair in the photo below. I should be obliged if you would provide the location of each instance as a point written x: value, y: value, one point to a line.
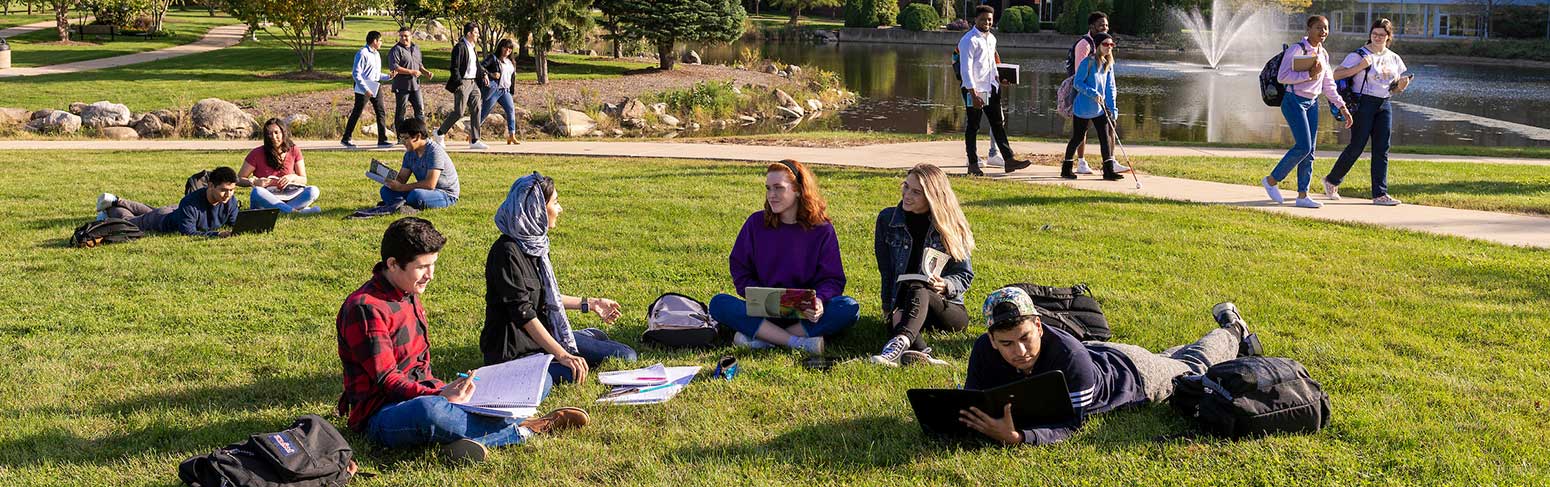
x: 812, y: 210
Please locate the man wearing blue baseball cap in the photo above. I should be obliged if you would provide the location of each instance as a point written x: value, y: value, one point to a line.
x: 1100, y: 376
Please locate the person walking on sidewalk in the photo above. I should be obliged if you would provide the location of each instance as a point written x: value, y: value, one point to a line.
x: 501, y: 69
x: 1094, y: 104
x: 1301, y: 108
x: 1097, y: 23
x: 466, y: 85
x: 368, y: 78
x: 407, y: 66
x: 1372, y: 69
x: 982, y: 90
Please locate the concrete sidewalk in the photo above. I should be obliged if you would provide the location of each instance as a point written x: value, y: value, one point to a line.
x: 28, y: 28
x: 218, y: 38
x: 1510, y: 229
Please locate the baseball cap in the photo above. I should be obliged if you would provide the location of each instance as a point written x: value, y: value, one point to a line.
x: 1006, y: 304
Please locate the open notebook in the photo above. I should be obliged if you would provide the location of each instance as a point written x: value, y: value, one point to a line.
x: 677, y: 379
x: 511, y: 389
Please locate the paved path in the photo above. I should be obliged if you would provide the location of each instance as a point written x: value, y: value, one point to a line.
x: 218, y: 38
x: 1503, y: 228
x: 23, y: 29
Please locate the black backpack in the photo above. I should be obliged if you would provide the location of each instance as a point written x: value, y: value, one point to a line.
x: 678, y: 321
x: 1253, y: 396
x: 1071, y: 54
x: 199, y: 180
x: 310, y: 453
x: 1270, y: 88
x: 1072, y: 309
x: 1345, y: 87
x: 103, y: 232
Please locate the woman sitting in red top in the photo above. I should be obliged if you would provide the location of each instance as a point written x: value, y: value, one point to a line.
x: 277, y: 173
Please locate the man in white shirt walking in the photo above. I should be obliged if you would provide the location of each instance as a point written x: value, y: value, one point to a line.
x: 465, y: 82
x: 982, y: 90
x: 368, y: 78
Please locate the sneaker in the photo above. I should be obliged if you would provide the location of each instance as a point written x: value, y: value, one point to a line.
x: 995, y: 161
x: 913, y: 357
x: 1120, y: 167
x: 477, y: 145
x: 1308, y: 203
x: 310, y: 210
x: 744, y: 341
x: 105, y: 200
x: 1385, y: 200
x: 1331, y: 191
x: 465, y: 450
x: 1016, y: 164
x: 812, y: 345
x: 557, y: 420
x: 346, y: 143
x: 441, y: 140
x: 1272, y: 190
x: 1082, y: 167
x: 891, y: 351
x: 1227, y: 316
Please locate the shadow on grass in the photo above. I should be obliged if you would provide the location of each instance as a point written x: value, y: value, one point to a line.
x: 874, y: 442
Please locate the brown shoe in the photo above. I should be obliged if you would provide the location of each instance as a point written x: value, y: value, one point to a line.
x: 511, y: 139
x: 558, y: 420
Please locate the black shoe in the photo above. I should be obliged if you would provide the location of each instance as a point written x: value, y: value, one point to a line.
x: 384, y: 143
x: 1227, y: 315
x: 1065, y: 169
x: 346, y: 143
x: 1015, y: 164
x: 974, y: 169
x: 1108, y: 171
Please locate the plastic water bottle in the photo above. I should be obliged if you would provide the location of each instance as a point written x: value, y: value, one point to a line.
x: 1334, y: 110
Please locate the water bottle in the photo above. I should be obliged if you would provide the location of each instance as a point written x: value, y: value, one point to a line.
x: 1334, y: 110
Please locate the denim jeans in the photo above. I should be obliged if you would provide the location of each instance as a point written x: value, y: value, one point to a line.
x: 431, y: 419
x: 262, y: 198
x: 1302, y: 115
x: 503, y: 97
x: 839, y: 313
x: 424, y: 199
x: 1374, y: 120
x: 595, y: 347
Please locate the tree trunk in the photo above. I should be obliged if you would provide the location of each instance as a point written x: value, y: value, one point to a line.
x: 62, y: 19
x: 541, y: 65
x: 795, y: 12
x: 665, y: 54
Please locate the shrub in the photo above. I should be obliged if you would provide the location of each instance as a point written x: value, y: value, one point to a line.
x: 1021, y: 18
x: 1073, y: 21
x: 959, y: 25
x: 919, y: 17
x: 871, y: 13
x: 885, y: 12
x: 1011, y: 21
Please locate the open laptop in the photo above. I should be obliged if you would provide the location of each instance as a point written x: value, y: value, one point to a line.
x: 1038, y: 400
x: 255, y: 221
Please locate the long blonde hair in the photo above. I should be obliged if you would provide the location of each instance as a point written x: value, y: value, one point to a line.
x: 946, y: 215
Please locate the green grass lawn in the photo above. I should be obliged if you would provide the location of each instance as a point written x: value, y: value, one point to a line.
x: 124, y: 360
x: 780, y: 19
x: 235, y: 73
x: 15, y: 18
x: 34, y: 49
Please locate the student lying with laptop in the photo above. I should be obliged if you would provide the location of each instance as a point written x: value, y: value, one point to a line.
x: 199, y: 213
x: 1100, y: 376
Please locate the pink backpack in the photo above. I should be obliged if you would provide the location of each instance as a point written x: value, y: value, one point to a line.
x: 1065, y: 97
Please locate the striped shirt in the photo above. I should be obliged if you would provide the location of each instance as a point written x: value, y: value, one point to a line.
x: 1097, y: 379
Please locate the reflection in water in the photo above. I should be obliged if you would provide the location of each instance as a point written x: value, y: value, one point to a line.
x: 1165, y: 96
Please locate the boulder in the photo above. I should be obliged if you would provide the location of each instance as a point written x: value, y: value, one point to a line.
x: 77, y: 107
x: 793, y: 71
x: 787, y: 102
x: 633, y: 108
x: 421, y: 35
x: 369, y: 129
x: 439, y: 37
x: 746, y: 120
x: 493, y: 125
x: 41, y: 114
x: 693, y: 126
x: 294, y: 119
x: 106, y: 114
x: 169, y: 117
x: 813, y: 105
x: 57, y: 123
x: 669, y: 120
x: 149, y: 126
x: 217, y: 118
x: 570, y: 123
x: 690, y: 57
x: 119, y: 133
x: 435, y: 29
x: 826, y: 36
x: 658, y: 108
x: 787, y: 112
x: 11, y: 116
x: 633, y: 123
x: 769, y: 67
x: 618, y: 132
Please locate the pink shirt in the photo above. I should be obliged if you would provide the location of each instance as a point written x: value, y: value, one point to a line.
x: 1303, y: 84
x: 261, y: 166
x: 1082, y: 49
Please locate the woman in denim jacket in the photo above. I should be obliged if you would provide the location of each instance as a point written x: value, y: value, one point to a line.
x: 927, y: 216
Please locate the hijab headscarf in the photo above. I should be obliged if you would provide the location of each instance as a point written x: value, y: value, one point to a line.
x: 524, y: 218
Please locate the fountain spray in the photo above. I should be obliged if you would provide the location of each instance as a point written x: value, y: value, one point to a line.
x: 1215, y: 37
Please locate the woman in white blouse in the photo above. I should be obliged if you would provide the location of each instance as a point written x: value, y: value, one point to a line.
x: 501, y: 69
x: 1373, y: 69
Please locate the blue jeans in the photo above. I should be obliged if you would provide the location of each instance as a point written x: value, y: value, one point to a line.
x: 499, y: 95
x: 1374, y: 119
x: 262, y: 198
x: 839, y: 313
x: 595, y: 347
x: 431, y: 419
x: 423, y: 199
x: 1302, y: 115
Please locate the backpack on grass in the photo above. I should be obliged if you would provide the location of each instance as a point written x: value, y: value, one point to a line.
x: 1072, y: 309
x: 200, y: 180
x: 309, y: 453
x: 1270, y: 88
x: 103, y: 232
x: 678, y: 321
x: 1253, y: 396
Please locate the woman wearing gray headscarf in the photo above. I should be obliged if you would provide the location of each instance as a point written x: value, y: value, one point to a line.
x: 524, y: 311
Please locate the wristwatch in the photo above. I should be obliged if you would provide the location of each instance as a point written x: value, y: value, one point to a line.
x: 584, y: 307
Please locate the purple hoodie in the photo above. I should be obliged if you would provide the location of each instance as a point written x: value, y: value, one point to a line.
x: 787, y: 257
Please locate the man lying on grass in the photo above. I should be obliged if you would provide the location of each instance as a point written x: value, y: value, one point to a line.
x: 200, y: 212
x: 389, y: 393
x: 1100, y: 376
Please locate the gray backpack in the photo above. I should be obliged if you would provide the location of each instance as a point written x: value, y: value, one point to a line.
x: 678, y: 321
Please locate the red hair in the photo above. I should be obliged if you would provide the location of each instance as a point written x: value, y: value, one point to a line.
x: 812, y: 210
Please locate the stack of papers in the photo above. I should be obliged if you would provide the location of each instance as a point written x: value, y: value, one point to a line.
x: 675, y: 380
x: 648, y: 376
x: 512, y: 389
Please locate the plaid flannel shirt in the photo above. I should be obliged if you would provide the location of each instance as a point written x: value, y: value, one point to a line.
x: 383, y: 347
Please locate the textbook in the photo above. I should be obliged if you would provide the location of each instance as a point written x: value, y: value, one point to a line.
x: 775, y: 302
x: 1008, y: 73
x: 932, y: 261
x: 290, y: 191
x: 380, y: 172
x: 1304, y: 62
x: 511, y: 389
x: 677, y: 379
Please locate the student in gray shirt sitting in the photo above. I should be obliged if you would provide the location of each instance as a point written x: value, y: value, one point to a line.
x: 405, y: 63
x: 435, y: 183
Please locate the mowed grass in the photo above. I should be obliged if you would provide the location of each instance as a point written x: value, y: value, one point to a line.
x: 124, y: 360
x: 18, y: 16
x: 246, y: 71
x: 37, y: 48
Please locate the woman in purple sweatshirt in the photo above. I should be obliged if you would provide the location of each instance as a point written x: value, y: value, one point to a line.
x: 791, y: 245
x: 1301, y: 108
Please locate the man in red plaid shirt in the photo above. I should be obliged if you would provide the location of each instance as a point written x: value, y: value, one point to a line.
x: 389, y: 392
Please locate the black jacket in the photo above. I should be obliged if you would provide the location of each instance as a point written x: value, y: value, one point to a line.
x: 513, y: 295
x: 491, y: 68
x: 462, y: 56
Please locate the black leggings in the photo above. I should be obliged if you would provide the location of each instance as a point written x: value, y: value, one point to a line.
x: 923, y: 308
x: 1079, y: 134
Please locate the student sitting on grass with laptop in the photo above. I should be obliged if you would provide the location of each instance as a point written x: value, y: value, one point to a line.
x: 389, y: 393
x: 789, y: 245
x: 435, y: 185
x: 200, y: 213
x: 277, y: 174
x: 1100, y: 376
x: 524, y: 312
x: 927, y: 217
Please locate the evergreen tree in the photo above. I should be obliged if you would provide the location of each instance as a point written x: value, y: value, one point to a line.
x: 667, y: 22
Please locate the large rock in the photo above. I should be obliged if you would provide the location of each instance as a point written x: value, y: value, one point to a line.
x: 119, y: 133
x: 669, y: 120
x: 42, y: 113
x: 793, y: 71
x: 369, y: 129
x: 658, y: 108
x: 787, y: 102
x: 813, y: 105
x: 106, y: 114
x: 57, y: 123
x: 149, y: 126
x: 291, y: 121
x: 169, y: 117
x: 77, y: 107
x: 769, y: 67
x: 217, y: 118
x: 11, y: 116
x: 435, y: 29
x: 788, y: 113
x: 634, y: 108
x: 570, y: 123
x: 690, y: 57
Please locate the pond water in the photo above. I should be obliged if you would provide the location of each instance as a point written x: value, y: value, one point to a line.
x: 1165, y: 96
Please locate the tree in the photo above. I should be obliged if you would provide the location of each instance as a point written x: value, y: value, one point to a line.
x: 666, y: 22
x: 302, y: 23
x: 612, y: 23
x: 547, y: 21
x: 409, y: 12
x: 797, y: 6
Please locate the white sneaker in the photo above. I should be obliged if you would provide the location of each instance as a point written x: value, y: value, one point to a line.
x: 1331, y: 191
x: 744, y: 341
x: 1385, y: 200
x: 105, y: 200
x: 812, y: 345
x: 913, y: 357
x: 477, y: 145
x: 441, y: 140
x: 1308, y: 203
x: 1272, y: 190
x: 891, y: 351
x: 1120, y: 167
x: 995, y: 161
x: 1082, y: 167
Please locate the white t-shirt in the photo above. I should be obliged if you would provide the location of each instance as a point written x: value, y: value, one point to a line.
x: 472, y: 70
x: 1384, y: 69
x: 507, y: 71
